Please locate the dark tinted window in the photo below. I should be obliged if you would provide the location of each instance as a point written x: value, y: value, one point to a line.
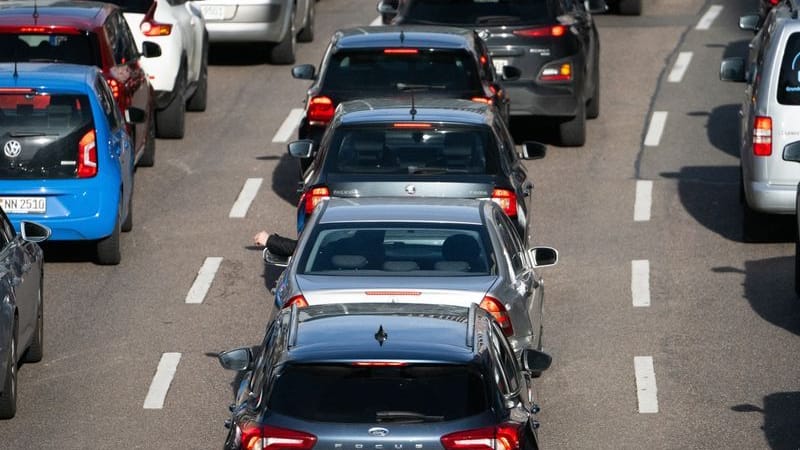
x: 432, y: 150
x: 377, y: 71
x: 350, y: 394
x: 133, y: 6
x: 40, y: 134
x: 478, y: 12
x: 67, y: 48
x: 789, y: 78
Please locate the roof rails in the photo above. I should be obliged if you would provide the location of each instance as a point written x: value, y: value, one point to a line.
x: 291, y: 339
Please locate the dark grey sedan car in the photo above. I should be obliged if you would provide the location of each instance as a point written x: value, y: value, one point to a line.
x: 21, y: 311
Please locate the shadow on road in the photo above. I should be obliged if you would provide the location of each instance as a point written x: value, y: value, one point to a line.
x: 285, y: 178
x: 55, y: 252
x: 238, y: 54
x: 722, y: 127
x: 734, y: 49
x: 534, y: 129
x: 781, y: 419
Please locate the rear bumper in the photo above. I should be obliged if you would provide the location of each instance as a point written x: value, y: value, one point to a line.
x: 530, y: 98
x: 771, y: 198
x: 254, y: 21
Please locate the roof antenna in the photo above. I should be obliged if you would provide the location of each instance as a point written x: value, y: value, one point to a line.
x: 413, y: 108
x: 16, y: 48
x: 402, y: 36
x: 35, y: 13
x: 381, y: 336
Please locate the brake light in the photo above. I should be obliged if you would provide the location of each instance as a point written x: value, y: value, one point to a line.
x: 87, y: 156
x: 152, y: 28
x: 561, y: 72
x: 553, y: 31
x: 773, y: 2
x: 313, y: 197
x: 495, y: 307
x: 483, y: 59
x: 400, y: 51
x: 411, y: 125
x: 114, y: 85
x: 485, y: 100
x: 507, y: 200
x: 263, y: 437
x: 501, y: 437
x: 320, y: 110
x: 298, y: 300
x: 54, y: 29
x: 379, y: 364
x: 17, y: 91
x: 762, y: 136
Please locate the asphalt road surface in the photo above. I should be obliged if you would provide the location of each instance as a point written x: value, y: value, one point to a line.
x: 667, y: 331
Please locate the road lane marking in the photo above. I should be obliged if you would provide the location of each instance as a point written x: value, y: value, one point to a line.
x: 709, y: 17
x: 377, y: 21
x: 657, y: 122
x: 640, y: 282
x: 246, y: 197
x: 205, y: 276
x: 646, y: 390
x: 644, y: 200
x: 161, y: 381
x: 680, y: 66
x: 288, y: 126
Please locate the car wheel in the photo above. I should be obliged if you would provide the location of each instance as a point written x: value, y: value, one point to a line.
x: 284, y: 51
x: 108, y: 248
x: 35, y: 351
x: 148, y: 158
x: 593, y: 105
x: 797, y: 266
x: 171, y: 121
x: 630, y: 7
x: 8, y: 398
x: 307, y: 33
x: 199, y: 99
x: 572, y: 133
x: 755, y: 225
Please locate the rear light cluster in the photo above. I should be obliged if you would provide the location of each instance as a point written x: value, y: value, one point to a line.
x: 298, y: 300
x: 507, y: 200
x: 115, y: 88
x: 150, y: 27
x: 501, y: 437
x: 550, y: 31
x: 762, y: 136
x: 87, y: 156
x: 313, y: 196
x: 400, y: 51
x: 485, y: 100
x: 495, y: 307
x: 320, y: 110
x: 556, y: 72
x: 262, y: 437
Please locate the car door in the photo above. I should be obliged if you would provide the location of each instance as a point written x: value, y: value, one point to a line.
x: 518, y: 174
x: 583, y: 23
x: 192, y: 27
x: 15, y: 264
x: 119, y: 142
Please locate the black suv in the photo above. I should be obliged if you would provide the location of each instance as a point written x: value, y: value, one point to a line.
x: 371, y: 376
x: 382, y: 62
x: 554, y: 44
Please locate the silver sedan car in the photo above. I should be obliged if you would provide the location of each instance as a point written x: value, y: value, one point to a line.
x: 422, y: 250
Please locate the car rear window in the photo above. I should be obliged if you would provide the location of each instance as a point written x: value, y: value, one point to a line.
x: 479, y: 12
x: 381, y: 70
x: 397, y: 249
x: 65, y: 48
x: 413, y: 149
x: 369, y: 394
x: 789, y: 77
x: 133, y: 6
x: 40, y: 134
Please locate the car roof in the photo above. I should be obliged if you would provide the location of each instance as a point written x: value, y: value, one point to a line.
x: 403, y: 36
x: 382, y: 332
x: 67, y: 13
x: 48, y: 75
x: 348, y: 210
x: 427, y: 109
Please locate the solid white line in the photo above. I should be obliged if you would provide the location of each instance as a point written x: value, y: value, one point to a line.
x: 644, y: 200
x: 679, y: 69
x: 708, y: 18
x: 646, y: 390
x: 640, y: 282
x: 161, y: 381
x: 246, y: 197
x: 657, y: 122
x: 288, y: 126
x: 205, y: 276
x: 378, y: 21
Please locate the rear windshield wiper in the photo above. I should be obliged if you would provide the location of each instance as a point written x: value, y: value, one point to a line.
x: 487, y: 20
x: 405, y: 416
x: 27, y: 134
x: 419, y: 87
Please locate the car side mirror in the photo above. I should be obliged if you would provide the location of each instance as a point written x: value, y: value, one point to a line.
x: 238, y: 359
x: 750, y: 22
x: 151, y: 49
x: 511, y: 73
x: 304, y: 72
x: 792, y: 152
x: 387, y: 7
x: 732, y: 69
x: 134, y: 115
x: 274, y: 260
x: 534, y: 360
x: 33, y: 232
x: 543, y: 256
x: 533, y: 150
x: 596, y: 6
x: 303, y: 148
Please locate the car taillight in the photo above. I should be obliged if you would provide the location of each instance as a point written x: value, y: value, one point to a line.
x: 153, y: 28
x: 507, y: 201
x: 556, y: 72
x: 488, y: 101
x: 298, y: 300
x: 762, y: 136
x: 552, y: 31
x: 774, y: 2
x: 114, y: 85
x: 313, y: 197
x: 320, y: 109
x: 495, y: 307
x: 87, y: 155
x: 501, y: 437
x: 263, y: 437
x: 400, y: 51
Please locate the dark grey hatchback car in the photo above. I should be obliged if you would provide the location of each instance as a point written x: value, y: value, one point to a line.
x: 372, y: 376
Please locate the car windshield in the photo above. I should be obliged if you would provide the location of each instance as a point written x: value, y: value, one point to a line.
x: 478, y: 12
x: 413, y: 149
x: 65, y: 48
x: 397, y: 249
x: 381, y: 70
x: 40, y: 134
x: 347, y: 393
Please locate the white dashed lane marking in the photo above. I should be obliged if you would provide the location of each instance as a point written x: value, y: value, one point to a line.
x: 288, y: 126
x: 246, y: 197
x: 640, y: 282
x: 205, y: 276
x: 643, y: 202
x: 709, y: 17
x: 646, y: 390
x: 680, y: 66
x: 656, y: 129
x: 161, y: 381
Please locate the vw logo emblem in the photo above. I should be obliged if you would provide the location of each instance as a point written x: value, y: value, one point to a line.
x: 12, y: 149
x: 378, y: 432
x: 411, y: 189
x: 483, y: 34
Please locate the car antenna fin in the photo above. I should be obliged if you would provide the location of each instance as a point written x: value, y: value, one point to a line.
x: 35, y: 13
x: 381, y: 336
x: 402, y: 37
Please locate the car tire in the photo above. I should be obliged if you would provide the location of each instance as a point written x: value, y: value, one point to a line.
x: 199, y: 100
x: 8, y: 398
x: 127, y: 224
x: 35, y: 351
x: 630, y: 7
x: 284, y: 51
x: 148, y: 158
x: 307, y: 33
x: 108, y: 248
x: 572, y: 132
x: 171, y: 121
x: 593, y: 105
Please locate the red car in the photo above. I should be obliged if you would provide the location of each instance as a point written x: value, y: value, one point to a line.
x: 85, y: 33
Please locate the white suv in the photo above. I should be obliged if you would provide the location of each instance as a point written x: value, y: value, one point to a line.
x: 180, y: 75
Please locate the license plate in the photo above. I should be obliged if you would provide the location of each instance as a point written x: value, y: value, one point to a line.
x: 213, y: 12
x: 499, y: 63
x: 24, y: 205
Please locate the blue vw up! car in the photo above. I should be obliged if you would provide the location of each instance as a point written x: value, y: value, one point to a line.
x: 66, y: 159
